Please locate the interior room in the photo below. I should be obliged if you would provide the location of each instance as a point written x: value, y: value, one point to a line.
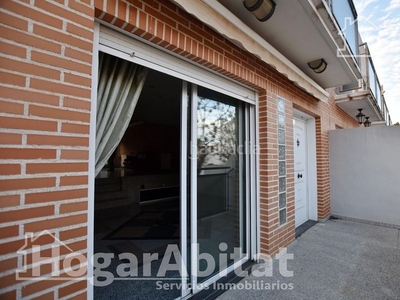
x: 137, y: 192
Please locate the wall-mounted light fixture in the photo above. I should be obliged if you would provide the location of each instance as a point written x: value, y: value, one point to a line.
x: 360, y: 116
x: 318, y: 66
x: 261, y: 9
x: 367, y: 122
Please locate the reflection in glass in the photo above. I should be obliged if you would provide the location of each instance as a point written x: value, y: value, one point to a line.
x: 216, y: 123
x: 220, y: 204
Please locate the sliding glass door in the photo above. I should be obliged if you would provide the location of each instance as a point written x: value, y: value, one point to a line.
x: 204, y: 150
x: 218, y: 185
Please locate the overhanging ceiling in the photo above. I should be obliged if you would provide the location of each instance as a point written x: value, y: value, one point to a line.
x: 216, y: 16
x: 351, y: 102
x: 303, y: 31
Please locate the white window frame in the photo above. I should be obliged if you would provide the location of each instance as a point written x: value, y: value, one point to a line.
x: 121, y: 45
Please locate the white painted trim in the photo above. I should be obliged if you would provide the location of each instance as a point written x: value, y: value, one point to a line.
x: 311, y: 163
x: 212, y: 13
x: 92, y: 161
x: 134, y: 50
x: 301, y: 115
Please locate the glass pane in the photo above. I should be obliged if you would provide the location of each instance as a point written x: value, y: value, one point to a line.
x: 281, y: 105
x: 282, y: 184
x: 282, y: 168
x: 281, y: 120
x: 379, y: 95
x: 281, y: 136
x: 347, y: 21
x: 282, y: 216
x: 372, y: 79
x: 220, y: 204
x: 282, y: 200
x: 282, y: 155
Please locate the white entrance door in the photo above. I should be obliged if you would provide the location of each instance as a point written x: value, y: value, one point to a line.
x: 300, y: 171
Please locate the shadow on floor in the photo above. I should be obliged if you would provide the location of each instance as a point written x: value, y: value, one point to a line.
x: 304, y: 227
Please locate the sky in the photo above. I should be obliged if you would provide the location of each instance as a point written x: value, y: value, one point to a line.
x: 379, y: 26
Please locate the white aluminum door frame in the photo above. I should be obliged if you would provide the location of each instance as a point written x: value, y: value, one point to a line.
x: 250, y: 186
x: 193, y: 188
x: 183, y: 189
x: 253, y: 173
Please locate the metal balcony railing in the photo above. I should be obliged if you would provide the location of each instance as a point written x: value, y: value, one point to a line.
x: 386, y: 114
x: 371, y: 80
x: 369, y: 83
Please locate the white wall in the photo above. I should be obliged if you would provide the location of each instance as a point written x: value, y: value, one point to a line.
x: 365, y: 173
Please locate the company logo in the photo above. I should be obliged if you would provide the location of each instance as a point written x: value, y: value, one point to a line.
x: 44, y: 256
x: 348, y: 31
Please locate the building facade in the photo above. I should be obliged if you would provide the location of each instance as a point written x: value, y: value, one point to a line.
x: 277, y: 107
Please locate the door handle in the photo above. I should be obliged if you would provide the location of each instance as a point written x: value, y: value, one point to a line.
x: 299, y: 175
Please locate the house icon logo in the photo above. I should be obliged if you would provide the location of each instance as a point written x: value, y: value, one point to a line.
x: 44, y: 256
x: 351, y: 25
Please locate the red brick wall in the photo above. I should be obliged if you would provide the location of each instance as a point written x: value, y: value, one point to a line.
x: 45, y: 87
x: 44, y: 120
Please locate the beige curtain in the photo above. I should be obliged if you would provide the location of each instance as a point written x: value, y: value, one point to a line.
x: 119, y: 88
